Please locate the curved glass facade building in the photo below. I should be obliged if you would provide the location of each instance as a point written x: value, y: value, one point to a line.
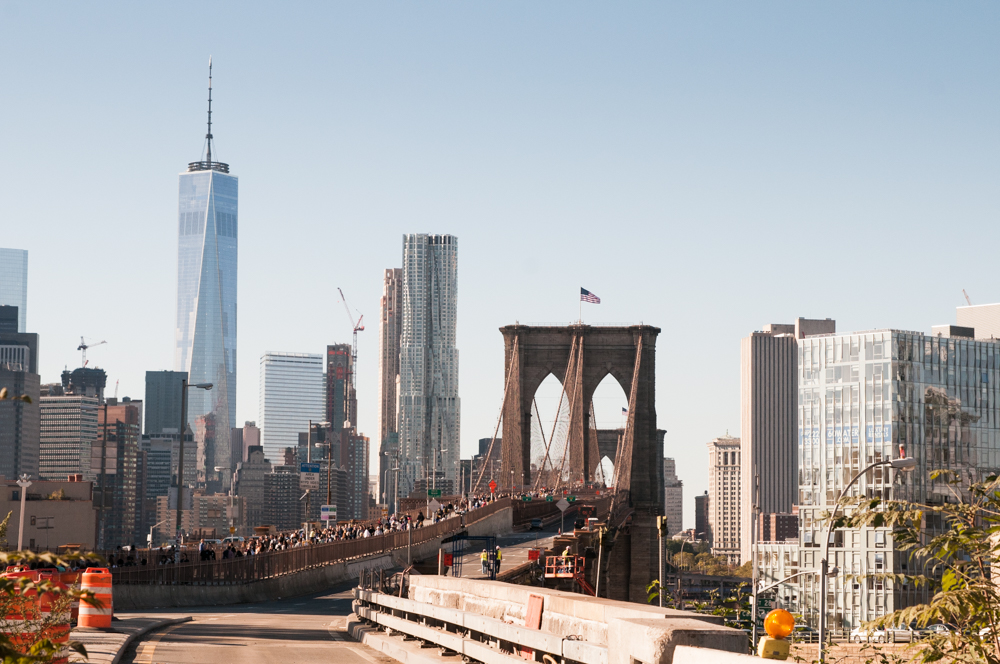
x: 205, y: 338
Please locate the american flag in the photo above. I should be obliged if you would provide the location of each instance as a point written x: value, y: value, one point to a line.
x: 624, y: 410
x: 587, y: 296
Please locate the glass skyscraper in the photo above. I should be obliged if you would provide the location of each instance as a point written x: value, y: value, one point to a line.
x: 291, y: 394
x: 869, y: 397
x: 14, y: 283
x: 205, y: 338
x: 429, y: 405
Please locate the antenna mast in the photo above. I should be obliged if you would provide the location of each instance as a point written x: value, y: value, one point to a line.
x: 208, y: 136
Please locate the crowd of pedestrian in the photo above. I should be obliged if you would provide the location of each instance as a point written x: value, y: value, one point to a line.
x: 239, y: 547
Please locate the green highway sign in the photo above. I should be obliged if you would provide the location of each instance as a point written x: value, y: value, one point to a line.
x: 526, y: 499
x: 571, y: 499
x: 433, y: 493
x: 549, y: 499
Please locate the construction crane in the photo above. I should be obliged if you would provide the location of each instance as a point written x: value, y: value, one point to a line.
x: 358, y: 326
x: 966, y: 297
x: 84, y: 346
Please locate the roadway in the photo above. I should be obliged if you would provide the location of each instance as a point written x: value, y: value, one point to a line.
x: 513, y: 549
x: 300, y: 630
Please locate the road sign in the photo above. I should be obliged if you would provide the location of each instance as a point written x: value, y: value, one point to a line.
x: 765, y: 603
x: 309, y: 476
x: 549, y: 499
x: 435, y: 505
x: 493, y: 486
x: 562, y: 505
x: 328, y: 512
x: 433, y: 493
x: 526, y: 499
x: 571, y: 499
x: 232, y: 531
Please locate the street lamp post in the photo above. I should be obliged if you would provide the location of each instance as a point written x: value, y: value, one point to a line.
x: 180, y: 458
x: 905, y: 463
x: 24, y: 482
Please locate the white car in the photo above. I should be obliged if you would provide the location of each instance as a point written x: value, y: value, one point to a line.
x: 862, y: 635
x: 882, y: 635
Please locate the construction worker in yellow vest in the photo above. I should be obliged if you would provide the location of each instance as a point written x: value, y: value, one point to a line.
x: 484, y: 561
x: 496, y: 561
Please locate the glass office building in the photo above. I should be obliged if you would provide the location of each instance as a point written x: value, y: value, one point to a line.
x: 874, y: 396
x: 205, y: 338
x: 291, y: 394
x: 14, y: 283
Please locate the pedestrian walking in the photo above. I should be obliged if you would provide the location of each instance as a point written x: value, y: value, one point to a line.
x: 484, y: 560
x: 496, y: 562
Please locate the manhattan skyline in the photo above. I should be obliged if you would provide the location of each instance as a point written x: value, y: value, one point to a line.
x: 691, y: 165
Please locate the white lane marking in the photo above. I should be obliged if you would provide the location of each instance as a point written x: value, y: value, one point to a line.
x: 365, y: 655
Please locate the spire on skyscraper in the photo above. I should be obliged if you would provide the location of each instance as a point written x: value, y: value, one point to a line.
x: 208, y: 164
x: 208, y: 136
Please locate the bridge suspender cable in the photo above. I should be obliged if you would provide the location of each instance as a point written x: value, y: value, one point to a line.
x: 506, y: 388
x: 552, y: 436
x: 623, y: 460
x: 577, y: 369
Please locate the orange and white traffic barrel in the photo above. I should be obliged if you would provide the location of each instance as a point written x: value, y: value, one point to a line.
x: 71, y: 579
x: 22, y: 610
x: 98, y: 581
x: 55, y: 617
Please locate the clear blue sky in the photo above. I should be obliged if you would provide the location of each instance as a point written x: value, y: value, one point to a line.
x: 704, y: 167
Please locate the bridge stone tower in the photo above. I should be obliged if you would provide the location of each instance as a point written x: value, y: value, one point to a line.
x: 580, y: 356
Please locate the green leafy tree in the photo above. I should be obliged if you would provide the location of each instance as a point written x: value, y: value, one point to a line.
x: 957, y: 560
x: 3, y: 526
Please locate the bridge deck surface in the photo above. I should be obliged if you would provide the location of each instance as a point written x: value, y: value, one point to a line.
x: 513, y: 548
x: 299, y: 630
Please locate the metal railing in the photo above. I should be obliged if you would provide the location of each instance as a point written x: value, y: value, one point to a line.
x: 277, y: 563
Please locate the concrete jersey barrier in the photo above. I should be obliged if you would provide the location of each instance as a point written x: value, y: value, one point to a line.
x: 576, y: 627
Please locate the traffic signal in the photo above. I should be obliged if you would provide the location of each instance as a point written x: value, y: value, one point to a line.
x: 661, y: 525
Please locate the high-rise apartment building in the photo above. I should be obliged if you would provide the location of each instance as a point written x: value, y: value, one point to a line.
x: 8, y: 321
x: 390, y: 328
x: 702, y: 530
x: 251, y: 484
x: 429, y: 406
x: 250, y: 438
x: 157, y: 476
x: 291, y: 394
x: 14, y: 283
x: 114, y: 464
x: 768, y: 424
x: 341, y: 402
x: 85, y: 382
x: 205, y: 336
x: 983, y: 318
x: 163, y: 402
x: 354, y: 455
x: 673, y: 498
x: 725, y: 513
x: 282, y: 508
x: 68, y: 433
x: 873, y: 396
x: 19, y: 420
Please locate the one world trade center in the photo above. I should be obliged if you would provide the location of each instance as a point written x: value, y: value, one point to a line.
x: 205, y: 337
